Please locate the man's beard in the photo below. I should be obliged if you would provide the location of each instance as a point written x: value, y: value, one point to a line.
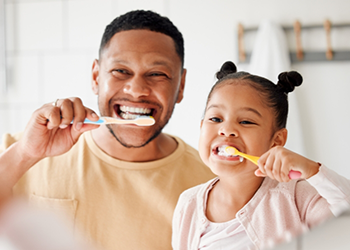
x: 155, y: 134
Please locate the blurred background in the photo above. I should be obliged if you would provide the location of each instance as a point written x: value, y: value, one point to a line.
x: 47, y: 48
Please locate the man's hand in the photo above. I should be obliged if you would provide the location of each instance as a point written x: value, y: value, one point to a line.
x: 48, y: 133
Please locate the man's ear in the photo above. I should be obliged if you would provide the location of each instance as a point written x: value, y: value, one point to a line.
x: 95, y: 76
x: 180, y: 95
x: 280, y: 137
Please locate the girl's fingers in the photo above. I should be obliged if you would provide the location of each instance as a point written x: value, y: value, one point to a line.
x: 285, y: 172
x: 259, y: 173
x: 262, y: 163
x: 277, y: 171
x: 269, y: 165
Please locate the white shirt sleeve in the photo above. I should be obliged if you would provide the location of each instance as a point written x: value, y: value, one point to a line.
x: 333, y: 187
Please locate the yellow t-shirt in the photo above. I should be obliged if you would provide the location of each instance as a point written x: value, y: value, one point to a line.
x: 114, y: 204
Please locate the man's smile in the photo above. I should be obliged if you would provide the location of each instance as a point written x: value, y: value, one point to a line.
x: 130, y: 112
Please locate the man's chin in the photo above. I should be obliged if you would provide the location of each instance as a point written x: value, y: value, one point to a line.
x: 133, y: 140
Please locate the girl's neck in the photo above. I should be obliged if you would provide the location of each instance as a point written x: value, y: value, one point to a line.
x: 229, y: 195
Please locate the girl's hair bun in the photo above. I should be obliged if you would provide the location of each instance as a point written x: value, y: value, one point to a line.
x: 287, y: 81
x: 226, y: 69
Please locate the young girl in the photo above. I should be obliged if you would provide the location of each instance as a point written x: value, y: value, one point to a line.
x: 250, y: 207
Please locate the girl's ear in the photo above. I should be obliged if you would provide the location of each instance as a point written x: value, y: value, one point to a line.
x: 280, y: 138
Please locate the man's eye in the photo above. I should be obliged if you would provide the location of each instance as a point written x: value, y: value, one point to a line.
x: 215, y: 119
x: 120, y: 71
x: 158, y: 74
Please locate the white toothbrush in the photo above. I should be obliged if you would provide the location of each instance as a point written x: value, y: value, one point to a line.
x: 140, y: 121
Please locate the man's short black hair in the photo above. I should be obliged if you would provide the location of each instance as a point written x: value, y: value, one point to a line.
x: 148, y: 20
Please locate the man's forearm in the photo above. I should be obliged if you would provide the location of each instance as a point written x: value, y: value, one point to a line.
x: 13, y: 165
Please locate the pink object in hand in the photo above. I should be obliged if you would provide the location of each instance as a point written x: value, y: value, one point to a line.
x: 294, y: 174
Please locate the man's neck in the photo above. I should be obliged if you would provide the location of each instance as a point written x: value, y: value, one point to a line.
x: 160, y: 147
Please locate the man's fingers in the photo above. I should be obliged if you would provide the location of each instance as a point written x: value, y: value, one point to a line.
x: 67, y: 113
x: 79, y: 113
x: 62, y: 112
x: 52, y: 115
x: 91, y: 115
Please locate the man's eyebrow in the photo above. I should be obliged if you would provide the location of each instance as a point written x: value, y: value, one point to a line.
x: 160, y: 62
x: 118, y: 61
x: 155, y: 63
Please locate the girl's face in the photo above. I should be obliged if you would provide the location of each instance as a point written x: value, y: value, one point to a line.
x: 236, y: 116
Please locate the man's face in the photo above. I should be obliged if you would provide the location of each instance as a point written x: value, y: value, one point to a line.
x: 139, y: 73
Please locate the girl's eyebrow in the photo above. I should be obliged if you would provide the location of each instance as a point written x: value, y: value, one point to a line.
x: 252, y: 110
x: 214, y: 106
x: 244, y: 109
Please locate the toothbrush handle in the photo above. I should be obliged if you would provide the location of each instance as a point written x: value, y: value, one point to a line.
x: 87, y: 121
x: 98, y: 122
x: 292, y: 174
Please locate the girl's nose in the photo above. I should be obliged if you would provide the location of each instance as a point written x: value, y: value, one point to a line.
x: 137, y: 87
x: 228, y: 131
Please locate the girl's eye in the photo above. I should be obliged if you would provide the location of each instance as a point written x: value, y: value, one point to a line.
x: 246, y: 122
x: 215, y: 119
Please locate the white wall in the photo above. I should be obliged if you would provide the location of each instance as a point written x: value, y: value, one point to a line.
x: 51, y: 45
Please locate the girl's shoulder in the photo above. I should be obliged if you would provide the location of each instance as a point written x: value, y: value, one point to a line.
x: 194, y: 198
x: 197, y: 191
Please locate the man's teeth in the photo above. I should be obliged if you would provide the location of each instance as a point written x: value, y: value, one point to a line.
x: 135, y: 110
x: 129, y: 113
x: 128, y: 116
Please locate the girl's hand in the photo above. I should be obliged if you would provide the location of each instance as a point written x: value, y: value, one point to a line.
x: 278, y: 161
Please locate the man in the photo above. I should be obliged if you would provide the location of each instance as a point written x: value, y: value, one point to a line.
x: 118, y: 184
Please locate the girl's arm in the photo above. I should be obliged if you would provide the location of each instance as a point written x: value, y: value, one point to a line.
x: 278, y: 161
x: 333, y: 187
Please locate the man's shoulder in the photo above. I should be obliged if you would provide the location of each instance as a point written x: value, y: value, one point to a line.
x: 192, y: 192
x: 191, y: 159
x: 188, y: 150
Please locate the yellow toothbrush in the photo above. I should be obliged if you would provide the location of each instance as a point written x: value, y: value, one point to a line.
x: 233, y: 151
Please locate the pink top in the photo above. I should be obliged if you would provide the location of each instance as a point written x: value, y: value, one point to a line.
x: 277, y: 211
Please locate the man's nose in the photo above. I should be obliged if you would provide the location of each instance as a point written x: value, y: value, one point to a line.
x: 137, y: 86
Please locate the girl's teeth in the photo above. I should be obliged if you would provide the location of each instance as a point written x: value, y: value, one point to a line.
x: 222, y: 152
